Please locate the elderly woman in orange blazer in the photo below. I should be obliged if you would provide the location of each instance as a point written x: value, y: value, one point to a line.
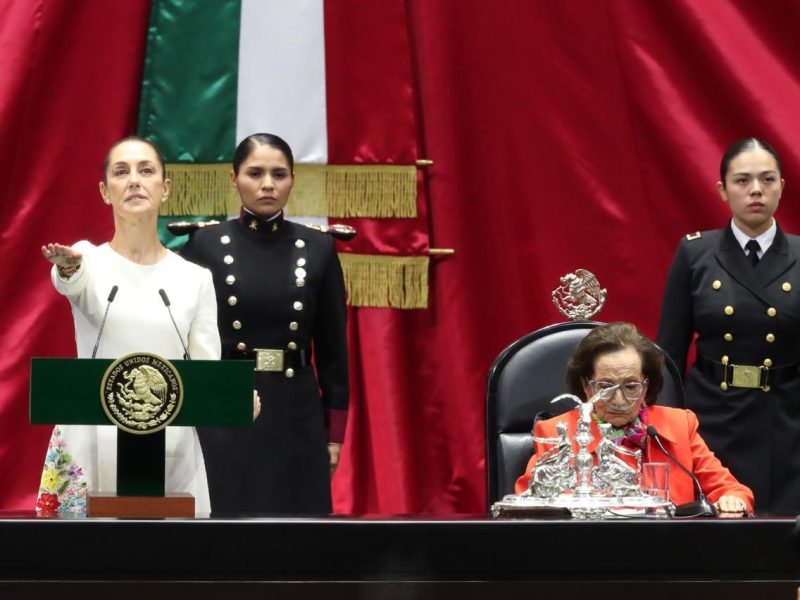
x: 617, y: 356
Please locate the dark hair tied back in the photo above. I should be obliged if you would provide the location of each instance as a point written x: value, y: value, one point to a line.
x: 248, y: 144
x: 743, y: 145
x: 134, y: 138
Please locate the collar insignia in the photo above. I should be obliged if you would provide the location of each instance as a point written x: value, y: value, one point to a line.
x: 254, y: 223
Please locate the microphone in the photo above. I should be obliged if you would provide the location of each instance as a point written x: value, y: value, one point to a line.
x: 111, y: 295
x: 164, y: 297
x: 700, y: 507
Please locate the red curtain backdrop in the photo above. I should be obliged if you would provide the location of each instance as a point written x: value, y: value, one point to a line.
x: 580, y: 134
x: 69, y: 86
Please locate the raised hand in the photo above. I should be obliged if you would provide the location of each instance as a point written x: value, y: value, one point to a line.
x: 64, y: 257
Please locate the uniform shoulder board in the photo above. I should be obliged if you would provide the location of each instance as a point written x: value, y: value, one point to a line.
x: 337, y: 230
x: 693, y: 236
x: 187, y: 227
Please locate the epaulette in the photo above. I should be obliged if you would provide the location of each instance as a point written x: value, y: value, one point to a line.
x: 344, y: 233
x: 693, y: 236
x: 188, y: 227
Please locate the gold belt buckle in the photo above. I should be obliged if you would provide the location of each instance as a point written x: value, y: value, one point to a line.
x: 746, y: 376
x: 268, y: 359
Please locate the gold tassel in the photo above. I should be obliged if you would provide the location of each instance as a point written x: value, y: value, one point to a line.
x: 386, y: 281
x: 380, y: 191
x: 308, y: 193
x: 201, y: 190
x: 370, y: 191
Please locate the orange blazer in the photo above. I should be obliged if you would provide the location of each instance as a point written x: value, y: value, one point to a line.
x: 677, y: 429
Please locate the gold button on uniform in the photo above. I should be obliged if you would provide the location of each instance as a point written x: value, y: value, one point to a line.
x: 300, y: 244
x: 301, y: 262
x: 237, y: 324
x: 300, y: 273
x: 230, y: 280
x: 291, y: 346
x: 729, y: 310
x: 725, y: 360
x: 294, y: 326
x: 724, y: 386
x: 728, y: 337
x: 241, y: 346
x: 767, y: 362
x: 770, y: 338
x: 225, y: 240
x: 300, y: 282
x: 297, y: 305
x: 232, y: 300
x: 717, y: 284
x: 772, y: 312
x: 289, y: 373
x: 786, y: 287
x: 228, y: 260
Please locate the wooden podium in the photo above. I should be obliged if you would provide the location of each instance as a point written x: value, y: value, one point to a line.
x: 215, y: 394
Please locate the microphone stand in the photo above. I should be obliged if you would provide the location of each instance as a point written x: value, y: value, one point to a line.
x: 112, y: 294
x: 700, y: 507
x: 166, y: 301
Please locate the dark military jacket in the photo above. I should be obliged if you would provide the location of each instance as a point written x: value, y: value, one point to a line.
x: 748, y: 314
x: 279, y: 289
x: 742, y: 315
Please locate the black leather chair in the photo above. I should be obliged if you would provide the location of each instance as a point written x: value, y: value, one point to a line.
x: 523, y: 379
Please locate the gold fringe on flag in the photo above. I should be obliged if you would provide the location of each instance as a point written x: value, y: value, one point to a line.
x: 386, y: 281
x: 200, y: 190
x: 308, y: 193
x: 370, y: 191
x: 379, y: 191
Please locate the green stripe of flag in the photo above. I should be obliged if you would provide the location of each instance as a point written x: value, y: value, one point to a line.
x: 189, y: 86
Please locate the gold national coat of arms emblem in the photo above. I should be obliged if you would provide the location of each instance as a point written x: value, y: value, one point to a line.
x: 579, y: 297
x: 141, y: 393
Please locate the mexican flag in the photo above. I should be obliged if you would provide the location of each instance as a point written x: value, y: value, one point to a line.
x: 215, y: 73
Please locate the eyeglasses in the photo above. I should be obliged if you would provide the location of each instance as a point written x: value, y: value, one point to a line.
x: 631, y: 390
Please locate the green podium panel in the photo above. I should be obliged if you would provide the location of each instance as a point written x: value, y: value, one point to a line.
x: 217, y: 393
x: 68, y: 391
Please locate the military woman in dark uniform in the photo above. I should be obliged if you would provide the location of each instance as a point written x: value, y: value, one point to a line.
x: 281, y: 302
x: 737, y: 289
